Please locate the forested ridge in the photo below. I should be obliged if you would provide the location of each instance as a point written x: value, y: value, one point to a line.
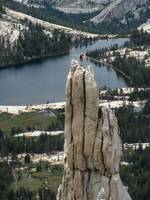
x: 139, y: 38
x: 50, y: 14
x: 135, y: 175
x: 43, y: 144
x: 139, y: 75
x: 135, y: 128
x: 32, y: 43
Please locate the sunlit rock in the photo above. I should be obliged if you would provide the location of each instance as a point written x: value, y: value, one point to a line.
x: 92, y: 144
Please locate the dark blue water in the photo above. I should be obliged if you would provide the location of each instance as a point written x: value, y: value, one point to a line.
x: 43, y: 81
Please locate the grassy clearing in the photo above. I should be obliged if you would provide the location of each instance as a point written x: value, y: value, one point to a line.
x: 34, y: 180
x: 26, y: 182
x: 33, y: 119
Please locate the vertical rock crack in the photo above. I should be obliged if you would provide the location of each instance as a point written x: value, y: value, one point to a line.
x: 93, y: 175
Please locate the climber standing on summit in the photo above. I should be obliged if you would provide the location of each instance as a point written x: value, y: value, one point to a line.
x: 82, y: 55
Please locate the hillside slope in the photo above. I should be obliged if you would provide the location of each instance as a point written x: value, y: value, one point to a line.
x: 12, y: 22
x: 117, y: 16
x: 122, y: 9
x: 24, y: 38
x: 70, y: 6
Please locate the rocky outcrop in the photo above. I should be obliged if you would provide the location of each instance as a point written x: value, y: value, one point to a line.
x: 92, y: 143
x: 119, y: 8
x: 81, y: 6
x: 69, y: 6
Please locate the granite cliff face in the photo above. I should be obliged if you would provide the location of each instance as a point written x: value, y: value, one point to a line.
x: 119, y: 8
x: 126, y: 12
x: 81, y: 6
x: 70, y: 6
x: 92, y: 144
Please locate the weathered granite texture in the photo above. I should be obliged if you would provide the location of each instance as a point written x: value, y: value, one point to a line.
x: 92, y: 144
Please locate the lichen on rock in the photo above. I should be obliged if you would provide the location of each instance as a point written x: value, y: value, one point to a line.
x: 92, y: 143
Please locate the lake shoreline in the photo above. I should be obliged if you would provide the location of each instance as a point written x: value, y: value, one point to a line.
x: 35, y: 59
x: 44, y: 81
x: 111, y: 65
x: 43, y: 57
